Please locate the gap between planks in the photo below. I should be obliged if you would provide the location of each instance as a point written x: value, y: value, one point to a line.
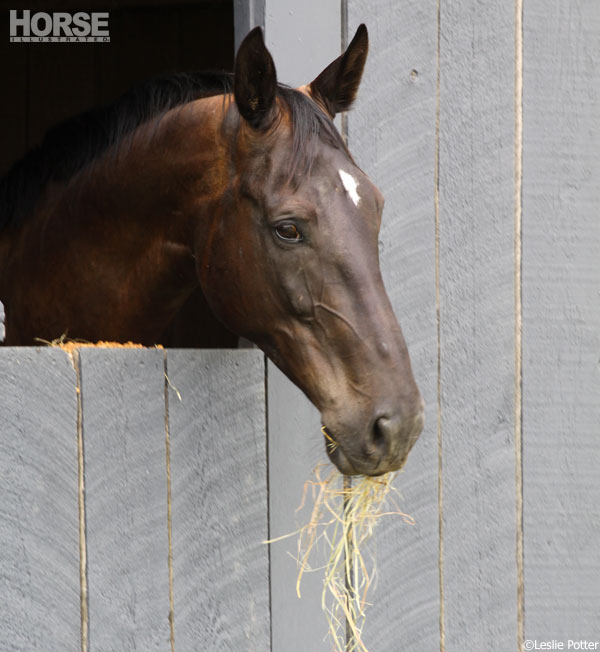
x: 518, y: 392
x: 436, y: 201
x: 268, y: 486
x: 167, y: 384
x: 83, y: 585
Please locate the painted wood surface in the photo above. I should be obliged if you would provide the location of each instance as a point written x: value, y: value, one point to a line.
x: 391, y: 132
x: 301, y: 47
x: 247, y: 14
x: 229, y: 492
x: 125, y: 498
x: 220, y: 511
x: 477, y: 323
x: 39, y: 540
x: 295, y: 449
x: 561, y: 319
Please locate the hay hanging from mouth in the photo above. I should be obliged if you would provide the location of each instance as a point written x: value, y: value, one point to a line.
x: 343, y: 517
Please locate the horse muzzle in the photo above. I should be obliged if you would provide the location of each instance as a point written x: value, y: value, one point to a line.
x: 380, y: 448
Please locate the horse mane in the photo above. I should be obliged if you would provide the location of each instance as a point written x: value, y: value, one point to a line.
x: 71, y: 145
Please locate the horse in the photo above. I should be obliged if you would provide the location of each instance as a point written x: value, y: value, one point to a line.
x: 218, y: 206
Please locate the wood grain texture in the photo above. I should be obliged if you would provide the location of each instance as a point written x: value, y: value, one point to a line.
x: 39, y: 539
x: 476, y: 262
x: 391, y: 132
x: 301, y: 47
x: 295, y: 449
x: 125, y: 498
x: 247, y: 14
x: 561, y: 319
x: 219, y: 500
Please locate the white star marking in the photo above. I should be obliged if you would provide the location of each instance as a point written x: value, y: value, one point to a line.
x: 350, y: 184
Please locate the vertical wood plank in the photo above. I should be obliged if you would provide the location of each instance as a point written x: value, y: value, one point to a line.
x: 295, y: 449
x: 301, y: 47
x: 126, y: 498
x: 561, y: 319
x: 247, y: 14
x: 391, y: 132
x: 39, y: 531
x: 219, y: 500
x: 476, y: 280
x: 300, y: 44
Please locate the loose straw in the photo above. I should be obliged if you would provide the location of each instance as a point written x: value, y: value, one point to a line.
x: 349, y: 558
x: 343, y: 515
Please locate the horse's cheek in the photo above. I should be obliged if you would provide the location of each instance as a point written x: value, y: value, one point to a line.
x: 294, y: 295
x: 231, y: 283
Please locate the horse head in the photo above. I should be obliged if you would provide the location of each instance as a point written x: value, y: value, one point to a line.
x: 292, y: 259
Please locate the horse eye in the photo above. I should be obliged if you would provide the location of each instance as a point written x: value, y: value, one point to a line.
x: 288, y: 232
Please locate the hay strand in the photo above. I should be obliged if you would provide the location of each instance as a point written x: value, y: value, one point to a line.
x: 343, y: 516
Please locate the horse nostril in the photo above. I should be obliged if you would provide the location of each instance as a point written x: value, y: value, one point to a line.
x: 393, y: 434
x: 381, y: 435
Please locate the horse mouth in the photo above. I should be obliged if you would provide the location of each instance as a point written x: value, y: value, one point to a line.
x: 339, y: 458
x: 330, y: 442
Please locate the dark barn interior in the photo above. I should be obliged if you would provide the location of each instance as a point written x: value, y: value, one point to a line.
x: 46, y: 83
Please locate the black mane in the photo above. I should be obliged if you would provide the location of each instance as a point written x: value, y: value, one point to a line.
x: 74, y: 143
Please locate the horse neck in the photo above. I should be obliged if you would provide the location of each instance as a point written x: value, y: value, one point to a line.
x: 124, y: 228
x: 167, y: 176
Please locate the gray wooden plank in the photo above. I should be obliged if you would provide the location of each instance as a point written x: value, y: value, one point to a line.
x: 295, y: 449
x: 247, y: 14
x: 219, y: 500
x: 125, y: 498
x: 561, y: 319
x: 301, y: 47
x: 391, y: 132
x: 477, y: 323
x: 39, y: 524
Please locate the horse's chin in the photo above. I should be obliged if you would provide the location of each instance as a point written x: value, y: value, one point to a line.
x: 338, y: 457
x: 343, y: 464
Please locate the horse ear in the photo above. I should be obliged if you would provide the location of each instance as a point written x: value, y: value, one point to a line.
x: 337, y: 85
x: 255, y: 80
